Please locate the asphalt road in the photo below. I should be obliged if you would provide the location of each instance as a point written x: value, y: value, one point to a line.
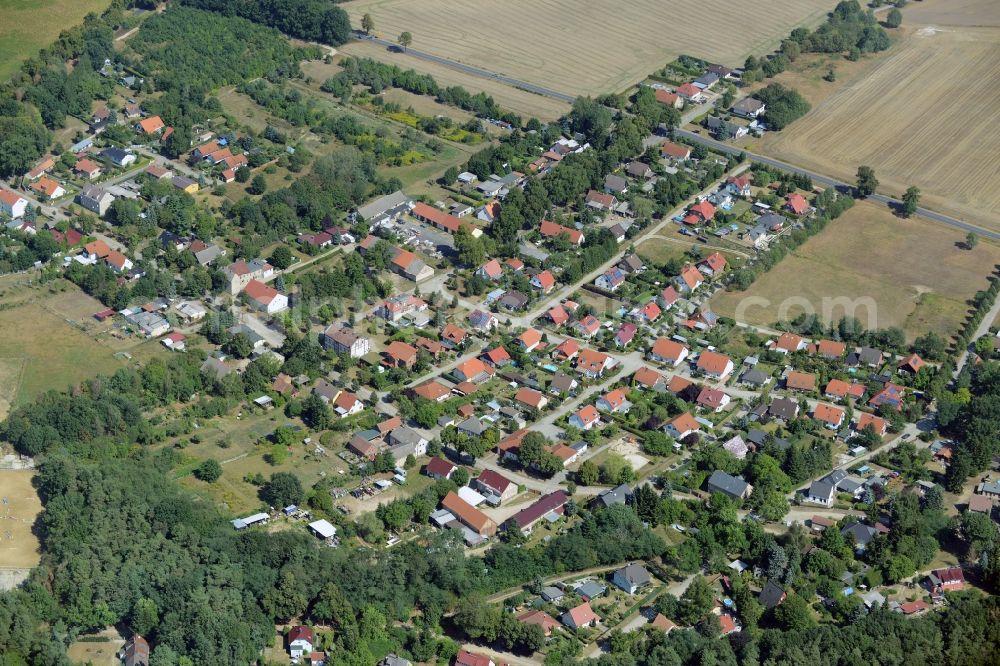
x: 476, y: 71
x: 831, y: 182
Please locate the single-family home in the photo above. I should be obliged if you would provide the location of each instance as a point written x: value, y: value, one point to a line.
x: 832, y: 417
x: 681, y: 426
x: 567, y: 350
x: 625, y: 333
x: 540, y: 618
x: 650, y: 379
x: 549, y: 507
x: 150, y: 125
x: 12, y: 205
x: 911, y: 364
x: 300, y: 642
x: 580, y: 616
x: 715, y: 365
x: 749, y: 107
x: 492, y: 483
x: 631, y: 578
x: 700, y: 213
x: 876, y: 423
x: 610, y: 280
x: 47, y: 188
x: 491, y: 270
x: 732, y: 486
x: 600, y: 200
x: 482, y: 321
x: 398, y: 354
x: 736, y: 447
x: 543, y: 281
x: 439, y: 468
x: 668, y: 98
x: 675, y: 152
x: 689, y: 279
x: 800, y: 381
x: 614, y: 402
x: 713, y: 264
x: 347, y: 404
x: 797, y: 203
x: 739, y: 185
x: 473, y: 370
x: 691, y: 93
x: 585, y: 418
x: 531, y: 398
x: 588, y: 326
x: 563, y: 384
x: 592, y: 363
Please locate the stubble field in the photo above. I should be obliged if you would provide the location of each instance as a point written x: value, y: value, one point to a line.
x: 587, y: 47
x: 19, y: 505
x: 926, y: 116
x: 917, y: 273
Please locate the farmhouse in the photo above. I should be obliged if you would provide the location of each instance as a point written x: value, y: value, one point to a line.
x: 264, y: 297
x: 552, y: 230
x: 670, y: 99
x: 441, y: 220
x: 549, y: 506
x: 468, y: 515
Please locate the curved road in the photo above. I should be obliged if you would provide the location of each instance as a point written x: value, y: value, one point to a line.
x: 832, y: 182
x: 477, y: 71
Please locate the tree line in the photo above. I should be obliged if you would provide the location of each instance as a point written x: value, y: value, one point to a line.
x: 312, y: 20
x: 378, y: 76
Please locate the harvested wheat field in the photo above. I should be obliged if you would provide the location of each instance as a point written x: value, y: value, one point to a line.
x: 588, y: 47
x: 19, y: 505
x: 917, y: 275
x: 926, y: 117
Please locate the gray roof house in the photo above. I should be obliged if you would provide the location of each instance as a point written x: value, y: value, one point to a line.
x: 631, y: 578
x: 731, y: 486
x: 772, y: 595
x: 783, y: 409
x: 405, y: 441
x: 552, y: 593
x: 95, y: 199
x: 613, y: 496
x: 862, y: 534
x: 592, y: 590
x: 615, y: 184
x: 472, y: 426
x: 754, y: 378
x: 748, y: 107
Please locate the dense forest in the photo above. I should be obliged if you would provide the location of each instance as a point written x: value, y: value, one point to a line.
x: 313, y: 20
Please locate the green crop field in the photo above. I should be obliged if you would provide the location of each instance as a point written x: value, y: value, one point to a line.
x: 30, y: 25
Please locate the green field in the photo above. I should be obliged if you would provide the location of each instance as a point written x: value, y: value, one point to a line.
x: 30, y: 25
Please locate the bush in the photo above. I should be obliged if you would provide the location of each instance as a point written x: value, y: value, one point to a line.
x: 209, y: 471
